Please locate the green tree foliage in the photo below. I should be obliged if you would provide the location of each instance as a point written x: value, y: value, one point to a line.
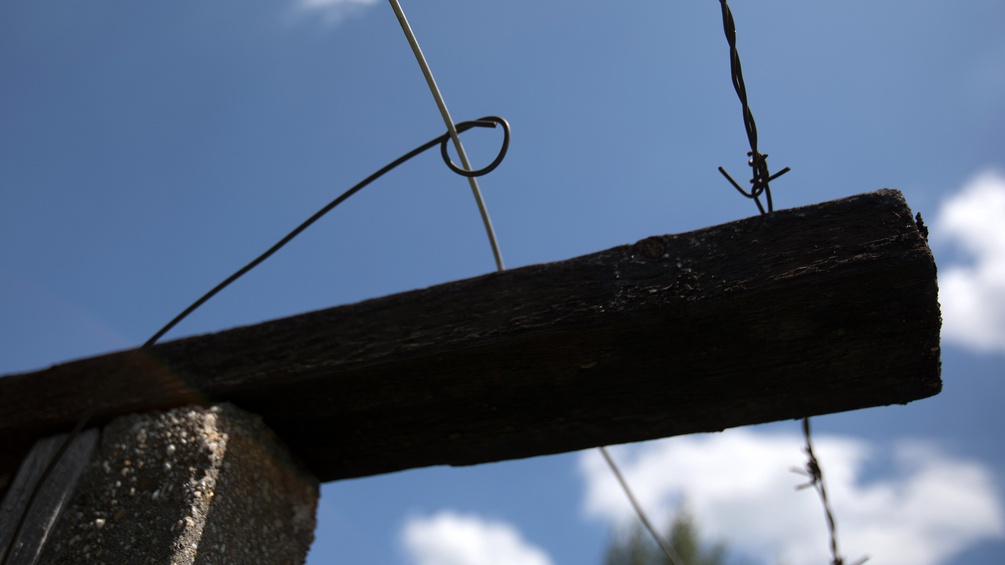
x: 634, y: 546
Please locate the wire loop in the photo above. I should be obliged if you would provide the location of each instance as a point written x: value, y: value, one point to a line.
x: 486, y: 122
x: 89, y: 412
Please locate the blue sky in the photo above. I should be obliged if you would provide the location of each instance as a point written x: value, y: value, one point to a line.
x: 149, y: 150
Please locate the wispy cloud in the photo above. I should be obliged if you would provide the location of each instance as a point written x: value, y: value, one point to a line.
x: 924, y: 508
x: 333, y: 12
x: 449, y: 538
x: 973, y: 295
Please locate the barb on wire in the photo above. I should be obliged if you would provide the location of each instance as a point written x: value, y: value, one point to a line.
x: 757, y: 161
x: 816, y: 480
x: 759, y: 182
x: 442, y: 140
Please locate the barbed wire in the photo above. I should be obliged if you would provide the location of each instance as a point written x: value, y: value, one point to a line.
x: 816, y: 476
x: 757, y: 161
x: 760, y: 185
x: 760, y: 180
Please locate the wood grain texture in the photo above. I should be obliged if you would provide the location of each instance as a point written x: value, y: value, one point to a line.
x: 812, y: 310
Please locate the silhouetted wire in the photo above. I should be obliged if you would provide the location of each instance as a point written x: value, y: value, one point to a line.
x: 758, y: 161
x: 487, y: 122
x: 816, y: 476
x: 664, y: 545
x: 441, y: 104
x: 759, y: 185
x: 496, y: 252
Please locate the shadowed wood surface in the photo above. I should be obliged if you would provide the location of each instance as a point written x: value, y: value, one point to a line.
x: 808, y: 311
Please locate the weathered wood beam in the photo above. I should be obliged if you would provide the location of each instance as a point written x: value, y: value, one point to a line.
x: 808, y: 311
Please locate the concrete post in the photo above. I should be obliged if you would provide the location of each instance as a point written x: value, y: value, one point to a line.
x: 185, y: 487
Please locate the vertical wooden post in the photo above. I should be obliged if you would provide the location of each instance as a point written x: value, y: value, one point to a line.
x: 189, y: 486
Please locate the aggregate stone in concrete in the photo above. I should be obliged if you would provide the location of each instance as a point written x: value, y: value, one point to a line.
x: 189, y: 486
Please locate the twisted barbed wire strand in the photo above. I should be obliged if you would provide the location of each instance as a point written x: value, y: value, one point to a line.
x: 758, y: 161
x: 760, y: 185
x: 816, y: 480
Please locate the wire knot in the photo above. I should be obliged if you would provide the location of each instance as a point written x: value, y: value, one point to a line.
x: 486, y: 122
x: 758, y: 161
x: 759, y: 181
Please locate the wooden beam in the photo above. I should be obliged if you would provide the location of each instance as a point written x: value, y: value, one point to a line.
x: 807, y: 311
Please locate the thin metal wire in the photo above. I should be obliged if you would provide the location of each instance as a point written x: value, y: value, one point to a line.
x: 816, y: 476
x: 488, y: 121
x: 445, y: 113
x: 426, y: 72
x: 758, y: 161
x: 664, y: 545
x: 452, y: 134
x: 90, y: 411
x: 759, y: 185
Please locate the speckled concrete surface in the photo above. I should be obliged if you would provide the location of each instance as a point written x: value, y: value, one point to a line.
x: 188, y: 486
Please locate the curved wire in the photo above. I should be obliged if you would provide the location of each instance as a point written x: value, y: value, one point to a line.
x: 485, y: 122
x: 488, y: 121
x: 491, y: 166
x: 441, y: 104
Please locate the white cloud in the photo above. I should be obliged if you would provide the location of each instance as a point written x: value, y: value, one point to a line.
x: 334, y: 12
x: 973, y: 295
x: 924, y: 508
x: 448, y: 538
